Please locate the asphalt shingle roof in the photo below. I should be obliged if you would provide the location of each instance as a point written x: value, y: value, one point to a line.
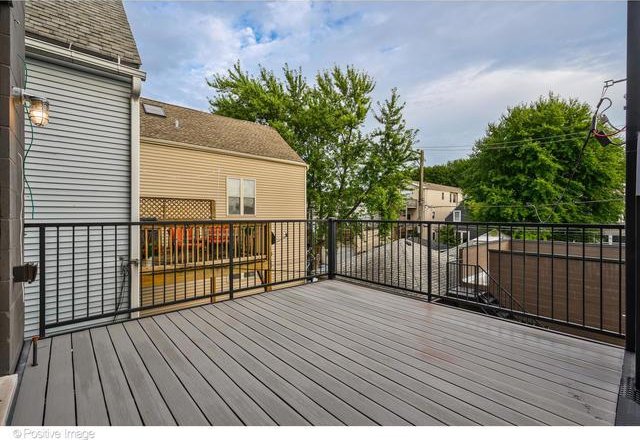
x: 208, y: 130
x: 96, y: 27
x: 437, y: 187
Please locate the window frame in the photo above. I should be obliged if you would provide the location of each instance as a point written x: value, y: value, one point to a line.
x: 255, y: 196
x: 457, y: 213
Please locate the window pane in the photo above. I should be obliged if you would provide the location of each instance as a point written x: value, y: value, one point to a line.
x: 233, y: 187
x: 249, y: 205
x: 249, y: 188
x: 234, y: 205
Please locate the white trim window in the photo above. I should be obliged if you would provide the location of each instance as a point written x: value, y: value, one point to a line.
x: 241, y: 196
x: 457, y: 215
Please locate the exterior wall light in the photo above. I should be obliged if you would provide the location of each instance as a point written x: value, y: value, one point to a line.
x: 38, y: 106
x: 39, y: 111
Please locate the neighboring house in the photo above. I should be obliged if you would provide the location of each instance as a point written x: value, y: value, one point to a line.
x: 196, y: 165
x: 438, y: 201
x: 82, y: 166
x: 464, y: 232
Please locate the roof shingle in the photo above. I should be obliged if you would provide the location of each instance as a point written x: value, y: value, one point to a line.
x: 208, y: 130
x: 96, y: 27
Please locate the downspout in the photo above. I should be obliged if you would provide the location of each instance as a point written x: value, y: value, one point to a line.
x: 134, y: 280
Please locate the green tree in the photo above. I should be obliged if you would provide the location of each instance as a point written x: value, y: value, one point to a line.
x: 451, y: 173
x: 447, y: 235
x: 387, y: 169
x: 531, y: 166
x: 350, y: 171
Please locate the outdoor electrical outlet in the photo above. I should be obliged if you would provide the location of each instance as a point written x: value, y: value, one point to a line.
x: 25, y: 273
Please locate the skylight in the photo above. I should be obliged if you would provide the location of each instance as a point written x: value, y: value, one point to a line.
x: 153, y: 109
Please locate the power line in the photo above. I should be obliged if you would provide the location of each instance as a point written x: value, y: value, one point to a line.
x: 509, y: 144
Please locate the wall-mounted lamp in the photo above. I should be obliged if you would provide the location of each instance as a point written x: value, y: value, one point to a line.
x: 38, y: 106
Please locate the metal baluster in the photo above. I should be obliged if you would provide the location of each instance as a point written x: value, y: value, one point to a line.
x: 42, y: 245
x: 57, y: 273
x: 88, y: 251
x: 566, y: 273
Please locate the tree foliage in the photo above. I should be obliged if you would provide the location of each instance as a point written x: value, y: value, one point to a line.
x: 351, y: 171
x: 447, y: 235
x: 531, y: 166
x: 451, y: 173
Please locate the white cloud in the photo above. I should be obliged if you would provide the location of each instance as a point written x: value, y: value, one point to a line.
x: 434, y: 53
x: 465, y: 101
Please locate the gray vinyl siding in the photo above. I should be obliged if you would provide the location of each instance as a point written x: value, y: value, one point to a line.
x: 79, y: 169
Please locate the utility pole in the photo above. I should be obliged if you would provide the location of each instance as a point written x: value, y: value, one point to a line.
x: 632, y: 253
x: 421, y: 189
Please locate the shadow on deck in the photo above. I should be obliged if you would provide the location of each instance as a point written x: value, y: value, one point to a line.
x: 328, y: 353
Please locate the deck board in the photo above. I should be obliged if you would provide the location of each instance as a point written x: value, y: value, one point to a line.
x: 448, y: 366
x: 442, y: 399
x: 413, y: 407
x: 503, y: 347
x: 153, y: 409
x: 447, y: 357
x: 445, y: 339
x: 177, y: 398
x: 92, y: 410
x: 558, y: 348
x: 121, y: 406
x: 278, y: 409
x: 209, y: 401
x: 247, y: 410
x: 306, y: 407
x: 60, y: 403
x: 284, y: 364
x: 336, y: 379
x: 327, y: 353
x: 29, y: 406
x: 502, y: 342
x: 551, y: 341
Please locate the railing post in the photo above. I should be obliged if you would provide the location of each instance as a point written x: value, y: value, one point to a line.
x: 429, y: 272
x: 42, y: 250
x: 232, y: 251
x: 332, y: 248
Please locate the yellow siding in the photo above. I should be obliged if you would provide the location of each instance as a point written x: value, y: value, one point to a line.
x: 168, y: 171
x: 189, y: 173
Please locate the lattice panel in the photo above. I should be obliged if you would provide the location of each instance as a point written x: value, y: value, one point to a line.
x: 162, y: 208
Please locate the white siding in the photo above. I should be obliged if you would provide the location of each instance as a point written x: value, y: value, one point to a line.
x: 79, y: 171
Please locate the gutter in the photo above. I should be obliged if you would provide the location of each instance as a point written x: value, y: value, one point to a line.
x: 33, y: 45
x: 174, y: 144
x: 134, y: 241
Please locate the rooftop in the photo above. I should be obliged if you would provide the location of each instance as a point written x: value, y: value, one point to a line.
x: 96, y: 27
x: 327, y: 353
x: 437, y: 186
x: 194, y: 127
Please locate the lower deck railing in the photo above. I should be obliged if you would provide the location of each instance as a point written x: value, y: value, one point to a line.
x: 567, y: 277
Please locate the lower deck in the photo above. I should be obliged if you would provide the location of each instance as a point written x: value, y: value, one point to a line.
x: 327, y: 353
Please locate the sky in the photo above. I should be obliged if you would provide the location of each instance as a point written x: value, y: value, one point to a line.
x: 458, y: 65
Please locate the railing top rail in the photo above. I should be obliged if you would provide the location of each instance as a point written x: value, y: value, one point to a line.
x: 277, y: 220
x: 493, y: 224
x: 168, y: 222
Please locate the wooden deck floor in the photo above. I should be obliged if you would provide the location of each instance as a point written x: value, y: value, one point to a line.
x: 329, y: 353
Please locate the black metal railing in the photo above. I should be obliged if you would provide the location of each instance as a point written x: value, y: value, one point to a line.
x: 100, y: 272
x: 564, y: 276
